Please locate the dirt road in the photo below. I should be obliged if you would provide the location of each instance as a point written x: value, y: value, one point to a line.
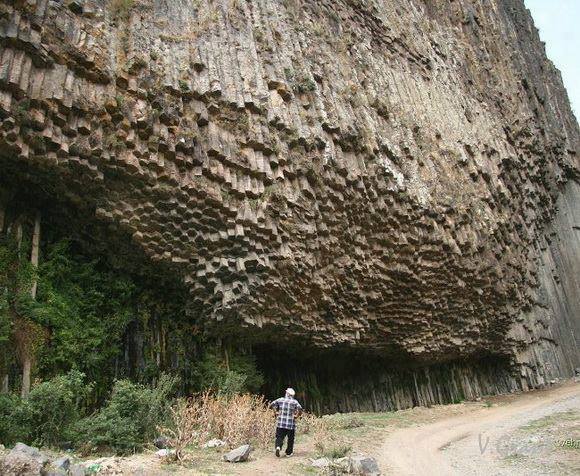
x: 506, y: 435
x: 490, y: 441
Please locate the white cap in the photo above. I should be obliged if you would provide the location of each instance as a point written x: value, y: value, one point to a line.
x: 290, y: 391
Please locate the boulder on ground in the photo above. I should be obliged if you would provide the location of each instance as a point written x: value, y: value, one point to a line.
x: 161, y: 442
x: 165, y: 452
x: 321, y: 463
x: 364, y: 465
x: 23, y: 460
x: 238, y: 455
x: 77, y: 470
x: 360, y: 465
x: 59, y: 467
x: 215, y: 443
x: 341, y: 465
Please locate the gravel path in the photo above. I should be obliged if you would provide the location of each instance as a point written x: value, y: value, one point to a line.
x: 493, y: 441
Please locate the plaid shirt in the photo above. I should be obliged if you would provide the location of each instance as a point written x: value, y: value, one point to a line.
x: 287, y: 408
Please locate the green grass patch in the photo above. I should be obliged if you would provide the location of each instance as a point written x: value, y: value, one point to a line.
x: 398, y: 418
x: 335, y: 451
x: 551, y: 420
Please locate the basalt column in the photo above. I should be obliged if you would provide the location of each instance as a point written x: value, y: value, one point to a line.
x: 394, y: 180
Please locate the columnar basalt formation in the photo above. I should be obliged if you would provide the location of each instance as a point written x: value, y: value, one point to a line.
x: 393, y: 177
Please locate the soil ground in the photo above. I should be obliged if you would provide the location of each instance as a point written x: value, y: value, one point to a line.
x: 530, y: 433
x: 521, y: 434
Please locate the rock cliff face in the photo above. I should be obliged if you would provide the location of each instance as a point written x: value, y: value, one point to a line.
x: 385, y: 179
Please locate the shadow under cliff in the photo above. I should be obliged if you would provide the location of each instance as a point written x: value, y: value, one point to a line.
x: 345, y: 381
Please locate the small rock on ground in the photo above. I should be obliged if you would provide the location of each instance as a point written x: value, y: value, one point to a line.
x: 364, y: 465
x: 161, y: 442
x: 238, y: 455
x: 59, y: 467
x: 321, y: 463
x: 361, y: 465
x: 164, y: 453
x: 215, y: 443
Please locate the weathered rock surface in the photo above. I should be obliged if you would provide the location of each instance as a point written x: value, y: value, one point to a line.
x: 161, y: 442
x: 214, y: 443
x: 361, y: 465
x: 238, y: 455
x: 364, y: 465
x: 398, y: 177
x: 165, y: 452
x: 60, y: 467
x: 23, y: 460
x: 321, y: 463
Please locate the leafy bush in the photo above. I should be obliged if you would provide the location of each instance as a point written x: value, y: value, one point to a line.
x: 53, y: 406
x: 130, y: 417
x: 240, y: 375
x: 45, y: 418
x: 10, y: 430
x: 86, y: 306
x: 88, y: 310
x: 20, y: 335
x: 105, y: 430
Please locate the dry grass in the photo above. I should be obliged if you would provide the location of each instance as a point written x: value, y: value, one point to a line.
x: 329, y: 443
x: 186, y: 423
x: 237, y: 420
x: 312, y: 424
x: 340, y: 421
x: 331, y: 434
x: 247, y: 419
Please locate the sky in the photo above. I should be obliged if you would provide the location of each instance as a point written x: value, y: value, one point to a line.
x: 559, y: 25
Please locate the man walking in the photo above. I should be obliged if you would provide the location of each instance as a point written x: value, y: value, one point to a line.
x: 287, y: 409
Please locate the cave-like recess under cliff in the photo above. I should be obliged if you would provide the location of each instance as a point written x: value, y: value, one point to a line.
x: 380, y: 197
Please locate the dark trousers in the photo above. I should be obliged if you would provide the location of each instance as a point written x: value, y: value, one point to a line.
x: 282, y: 433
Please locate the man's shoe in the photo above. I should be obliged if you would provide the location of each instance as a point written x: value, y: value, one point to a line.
x: 288, y: 455
x: 278, y: 451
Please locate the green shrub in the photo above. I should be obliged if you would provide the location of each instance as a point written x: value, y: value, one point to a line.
x: 46, y: 416
x: 52, y: 407
x: 10, y: 430
x: 107, y: 430
x: 87, y: 309
x: 240, y: 375
x: 129, y: 419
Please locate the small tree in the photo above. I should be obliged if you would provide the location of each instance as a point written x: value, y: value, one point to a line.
x: 30, y: 335
x: 29, y: 338
x: 18, y: 278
